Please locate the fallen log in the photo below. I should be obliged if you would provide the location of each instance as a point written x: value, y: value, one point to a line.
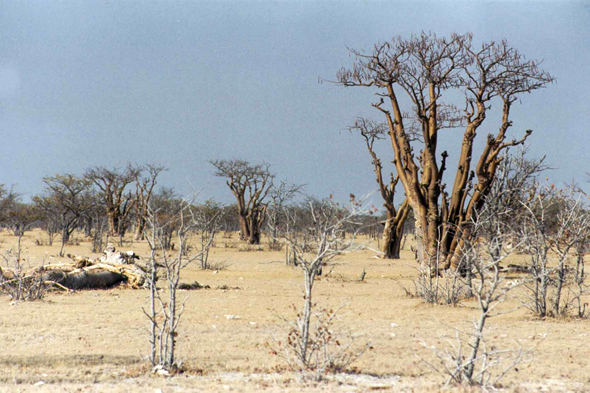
x: 85, y: 273
x: 85, y: 280
x: 96, y: 276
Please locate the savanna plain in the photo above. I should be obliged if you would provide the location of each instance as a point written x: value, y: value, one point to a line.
x: 98, y: 340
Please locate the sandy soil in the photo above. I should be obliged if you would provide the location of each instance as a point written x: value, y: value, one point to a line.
x: 96, y: 340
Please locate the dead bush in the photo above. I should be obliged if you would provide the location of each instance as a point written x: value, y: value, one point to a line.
x: 16, y: 283
x: 320, y: 349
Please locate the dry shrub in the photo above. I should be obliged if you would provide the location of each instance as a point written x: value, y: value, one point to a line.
x: 250, y: 248
x: 456, y: 363
x: 450, y: 288
x: 324, y: 351
x: 16, y: 283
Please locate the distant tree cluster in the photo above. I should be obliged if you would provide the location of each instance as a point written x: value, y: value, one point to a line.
x: 103, y: 202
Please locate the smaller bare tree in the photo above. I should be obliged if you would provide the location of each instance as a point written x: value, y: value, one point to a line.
x: 469, y: 359
x: 15, y: 215
x: 278, y: 214
x: 556, y: 224
x: 165, y: 312
x: 393, y: 225
x: 316, y: 348
x: 145, y: 180
x: 207, y: 219
x: 65, y: 202
x: 118, y: 200
x: 250, y: 184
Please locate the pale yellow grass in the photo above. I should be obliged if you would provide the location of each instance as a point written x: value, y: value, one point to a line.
x: 95, y: 340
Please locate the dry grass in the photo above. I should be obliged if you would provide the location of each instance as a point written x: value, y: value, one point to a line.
x: 95, y: 340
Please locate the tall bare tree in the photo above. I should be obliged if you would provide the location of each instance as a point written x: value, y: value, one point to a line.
x: 165, y: 206
x: 9, y: 198
x: 145, y: 181
x: 393, y: 226
x: 250, y: 184
x: 431, y: 71
x: 65, y: 202
x: 207, y: 221
x: 19, y: 217
x: 277, y: 215
x: 118, y: 200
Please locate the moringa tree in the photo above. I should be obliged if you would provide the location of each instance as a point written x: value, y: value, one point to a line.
x: 165, y: 206
x: 118, y: 201
x: 65, y: 201
x: 277, y: 214
x: 437, y: 76
x: 145, y: 181
x: 393, y: 226
x: 250, y: 184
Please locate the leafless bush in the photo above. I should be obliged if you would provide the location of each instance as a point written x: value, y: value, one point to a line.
x: 555, y: 229
x: 249, y: 248
x: 448, y: 289
x: 218, y: 265
x: 207, y: 222
x: 164, y: 314
x: 310, y: 344
x: 41, y: 242
x: 326, y: 350
x: 279, y: 218
x: 16, y: 282
x: 481, y: 265
x: 488, y: 368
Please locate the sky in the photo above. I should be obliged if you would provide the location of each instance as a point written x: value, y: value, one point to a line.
x: 179, y: 83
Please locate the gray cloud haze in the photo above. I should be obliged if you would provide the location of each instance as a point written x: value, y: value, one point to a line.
x: 87, y: 83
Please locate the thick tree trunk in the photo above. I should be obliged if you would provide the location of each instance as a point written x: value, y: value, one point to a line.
x: 391, y: 245
x: 254, y: 230
x: 113, y: 221
x: 88, y: 227
x: 244, y: 228
x: 65, y: 237
x: 139, y: 228
x: 254, y: 238
x: 391, y: 239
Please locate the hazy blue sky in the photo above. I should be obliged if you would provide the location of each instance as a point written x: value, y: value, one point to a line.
x: 177, y: 83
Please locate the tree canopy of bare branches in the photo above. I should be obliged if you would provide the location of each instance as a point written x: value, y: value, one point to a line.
x: 19, y: 217
x: 430, y: 71
x: 118, y: 200
x: 145, y: 180
x: 250, y: 184
x: 64, y: 202
x: 393, y: 226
